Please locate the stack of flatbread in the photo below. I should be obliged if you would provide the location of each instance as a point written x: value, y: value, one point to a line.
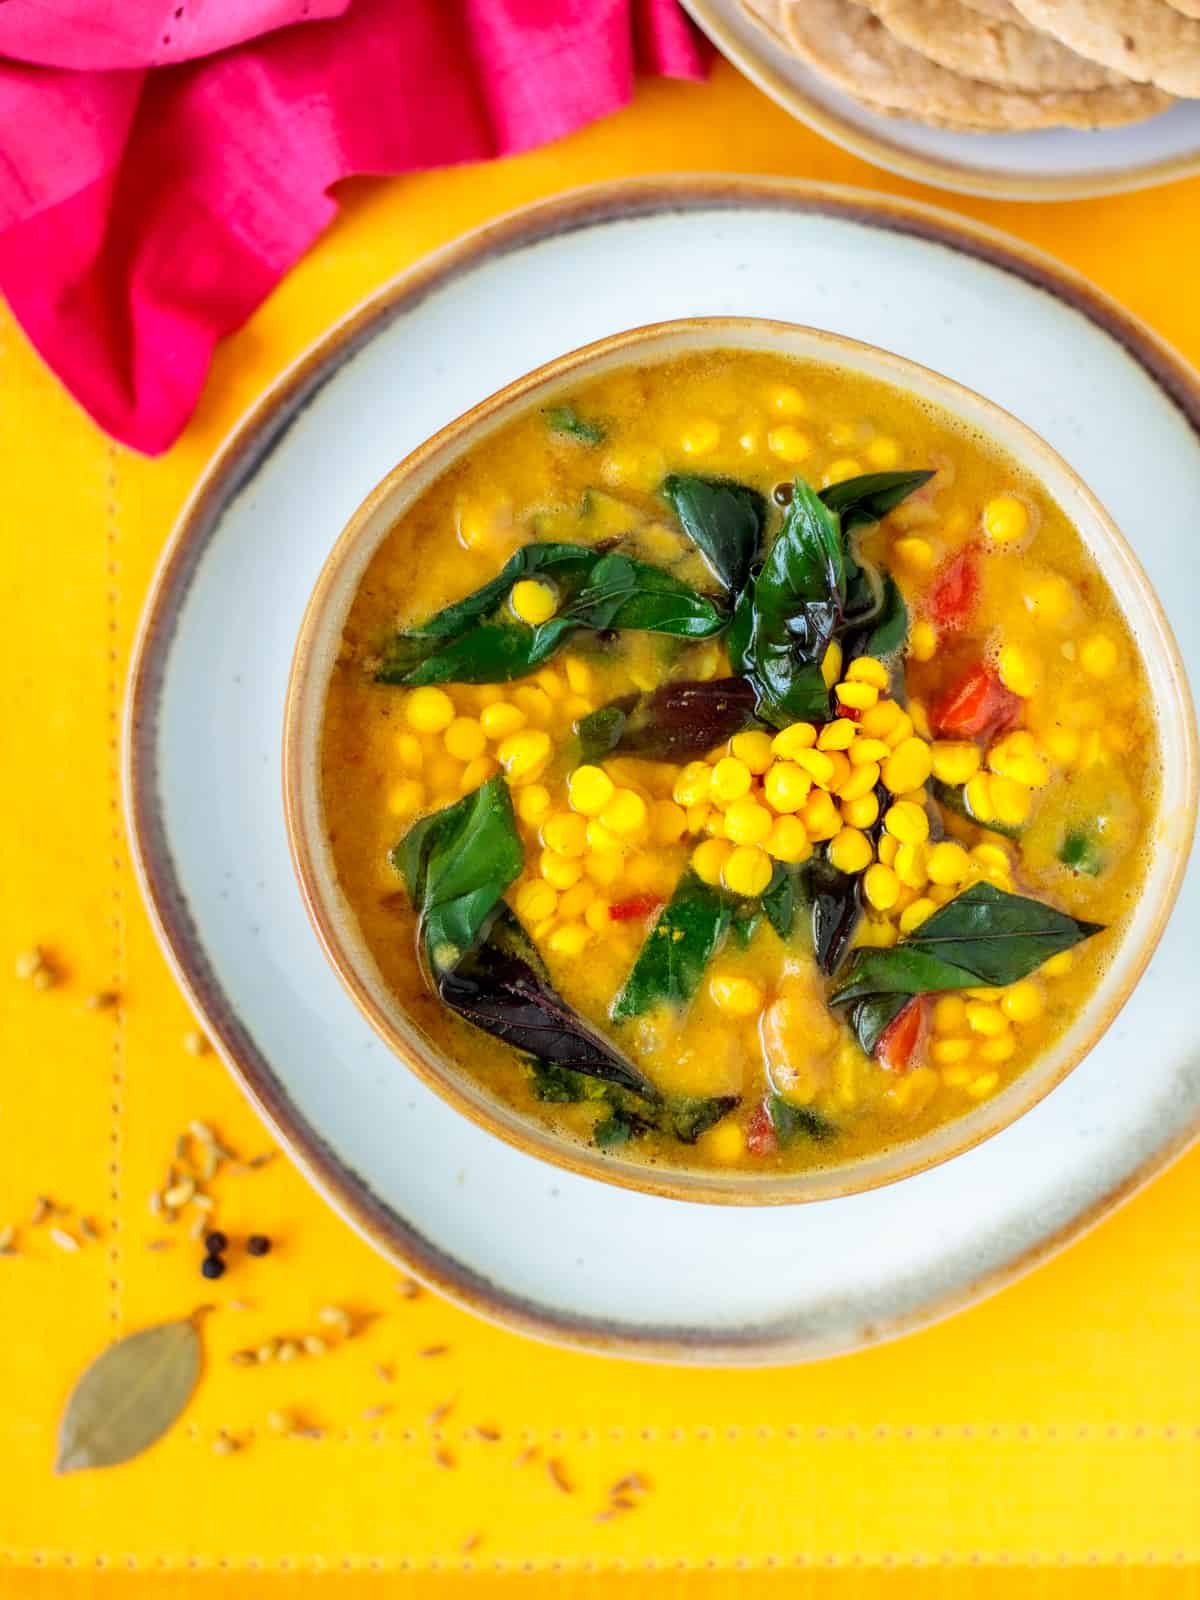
x: 998, y: 65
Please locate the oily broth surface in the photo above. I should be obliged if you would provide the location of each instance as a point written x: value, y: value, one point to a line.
x: 523, y: 483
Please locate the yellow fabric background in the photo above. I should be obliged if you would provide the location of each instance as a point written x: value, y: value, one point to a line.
x: 1053, y: 1427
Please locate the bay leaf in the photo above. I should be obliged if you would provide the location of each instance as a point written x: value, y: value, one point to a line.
x: 129, y: 1397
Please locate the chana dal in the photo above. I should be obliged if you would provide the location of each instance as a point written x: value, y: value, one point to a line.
x: 739, y: 765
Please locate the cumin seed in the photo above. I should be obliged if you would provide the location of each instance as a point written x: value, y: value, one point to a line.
x: 487, y: 1433
x: 409, y: 1288
x: 383, y: 1372
x: 244, y: 1358
x: 102, y: 1000
x: 434, y: 1350
x: 41, y: 1210
x: 471, y: 1542
x: 7, y: 1234
x: 88, y: 1228
x: 529, y: 1454
x: 256, y: 1163
x: 444, y: 1458
x: 558, y: 1475
x: 441, y: 1412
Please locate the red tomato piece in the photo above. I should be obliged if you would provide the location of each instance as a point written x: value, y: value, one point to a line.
x: 955, y: 590
x: 900, y: 1040
x: 760, y: 1133
x: 977, y: 704
x: 851, y: 713
x: 638, y: 905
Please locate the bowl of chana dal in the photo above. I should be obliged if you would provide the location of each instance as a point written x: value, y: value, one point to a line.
x: 738, y: 763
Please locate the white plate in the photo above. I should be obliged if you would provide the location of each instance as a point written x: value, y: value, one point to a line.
x: 1058, y: 164
x: 540, y: 1249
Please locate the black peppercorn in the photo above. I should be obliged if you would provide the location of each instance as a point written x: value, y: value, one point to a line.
x: 782, y: 494
x: 216, y: 1244
x: 212, y: 1267
x: 258, y: 1244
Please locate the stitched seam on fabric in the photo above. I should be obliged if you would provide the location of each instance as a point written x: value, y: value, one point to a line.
x: 1168, y: 1432
x: 117, y: 900
x: 830, y: 1560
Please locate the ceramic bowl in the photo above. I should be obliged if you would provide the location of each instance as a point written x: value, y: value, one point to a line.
x: 320, y: 638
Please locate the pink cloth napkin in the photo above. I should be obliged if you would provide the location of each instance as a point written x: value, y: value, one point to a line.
x: 152, y: 191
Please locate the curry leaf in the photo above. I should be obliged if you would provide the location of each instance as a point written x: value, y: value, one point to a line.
x: 984, y: 936
x: 794, y: 1122
x: 456, y: 864
x: 674, y: 723
x: 623, y: 593
x: 129, y: 1397
x: 690, y: 929
x: 504, y: 988
x: 565, y: 419
x: 866, y: 499
x: 724, y: 519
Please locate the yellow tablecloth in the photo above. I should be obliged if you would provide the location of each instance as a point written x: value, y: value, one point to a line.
x: 1055, y: 1427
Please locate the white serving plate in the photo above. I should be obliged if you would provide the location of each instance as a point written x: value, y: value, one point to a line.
x: 543, y: 1250
x: 1057, y: 164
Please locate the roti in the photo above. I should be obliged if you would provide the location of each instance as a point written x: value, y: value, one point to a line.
x: 1148, y: 40
x: 852, y: 49
x: 950, y: 33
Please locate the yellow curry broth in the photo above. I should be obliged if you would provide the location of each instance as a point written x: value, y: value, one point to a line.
x: 1045, y: 623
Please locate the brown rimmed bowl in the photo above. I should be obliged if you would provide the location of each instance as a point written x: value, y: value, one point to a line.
x: 320, y: 639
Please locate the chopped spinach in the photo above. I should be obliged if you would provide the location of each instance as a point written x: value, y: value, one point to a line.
x: 954, y: 798
x: 1082, y: 851
x: 669, y: 967
x: 565, y: 419
x: 781, y: 899
x: 797, y: 1122
x: 456, y: 864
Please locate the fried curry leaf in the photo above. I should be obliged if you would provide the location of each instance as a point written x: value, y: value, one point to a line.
x: 565, y: 419
x: 690, y: 929
x: 503, y: 988
x: 984, y: 936
x: 797, y: 1122
x: 677, y: 722
x: 456, y: 864
x: 724, y: 519
x: 479, y: 640
x: 860, y: 501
